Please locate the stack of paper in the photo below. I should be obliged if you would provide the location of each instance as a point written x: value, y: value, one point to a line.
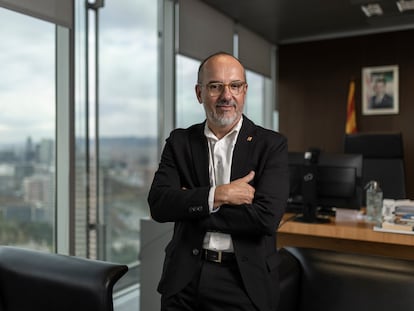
x: 398, y: 216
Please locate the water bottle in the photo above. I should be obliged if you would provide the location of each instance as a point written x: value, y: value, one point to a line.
x: 374, y: 202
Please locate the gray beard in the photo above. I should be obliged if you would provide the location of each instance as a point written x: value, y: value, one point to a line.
x: 220, y: 121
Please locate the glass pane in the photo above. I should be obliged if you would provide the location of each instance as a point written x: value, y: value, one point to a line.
x: 27, y: 131
x: 128, y: 150
x: 188, y: 110
x: 81, y: 176
x: 254, y: 106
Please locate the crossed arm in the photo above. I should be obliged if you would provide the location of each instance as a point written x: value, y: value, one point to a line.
x: 236, y: 192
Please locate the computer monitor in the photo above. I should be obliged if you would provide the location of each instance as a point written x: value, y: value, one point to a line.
x: 324, y: 181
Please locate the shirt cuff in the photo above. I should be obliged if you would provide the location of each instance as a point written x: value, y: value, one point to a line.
x: 211, y: 200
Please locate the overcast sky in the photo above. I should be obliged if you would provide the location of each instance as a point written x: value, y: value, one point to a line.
x: 128, y: 73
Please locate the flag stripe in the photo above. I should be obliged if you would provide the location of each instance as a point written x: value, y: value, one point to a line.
x: 350, y: 126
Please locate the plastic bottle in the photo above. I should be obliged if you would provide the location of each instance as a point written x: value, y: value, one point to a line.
x: 374, y: 202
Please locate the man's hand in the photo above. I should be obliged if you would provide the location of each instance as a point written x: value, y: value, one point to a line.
x: 235, y: 193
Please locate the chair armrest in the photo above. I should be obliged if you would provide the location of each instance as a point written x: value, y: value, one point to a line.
x: 33, y: 280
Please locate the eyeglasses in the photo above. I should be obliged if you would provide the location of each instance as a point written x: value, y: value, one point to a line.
x: 217, y: 88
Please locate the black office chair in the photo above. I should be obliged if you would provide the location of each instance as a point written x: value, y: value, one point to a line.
x: 40, y: 281
x: 383, y: 160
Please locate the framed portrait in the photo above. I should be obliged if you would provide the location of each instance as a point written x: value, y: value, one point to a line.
x: 380, y: 90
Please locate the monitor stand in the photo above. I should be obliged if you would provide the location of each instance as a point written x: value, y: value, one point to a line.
x: 310, y: 215
x: 309, y: 190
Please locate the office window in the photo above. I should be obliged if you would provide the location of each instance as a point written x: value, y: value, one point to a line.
x: 127, y: 122
x: 116, y: 128
x: 27, y: 131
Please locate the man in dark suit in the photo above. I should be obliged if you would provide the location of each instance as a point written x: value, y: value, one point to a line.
x: 224, y: 183
x: 381, y: 99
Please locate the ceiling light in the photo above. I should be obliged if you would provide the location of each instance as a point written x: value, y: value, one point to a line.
x: 405, y: 5
x: 372, y: 9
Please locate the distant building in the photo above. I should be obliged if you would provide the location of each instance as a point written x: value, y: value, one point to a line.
x: 29, y: 152
x: 38, y: 191
x: 7, y: 178
x: 45, y: 151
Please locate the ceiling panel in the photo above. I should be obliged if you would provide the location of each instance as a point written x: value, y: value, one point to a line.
x: 287, y: 21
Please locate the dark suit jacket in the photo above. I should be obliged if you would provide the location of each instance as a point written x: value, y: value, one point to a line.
x: 386, y: 102
x: 184, y: 164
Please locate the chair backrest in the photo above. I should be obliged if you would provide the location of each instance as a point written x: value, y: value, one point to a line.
x: 332, y: 280
x: 34, y: 280
x: 383, y: 160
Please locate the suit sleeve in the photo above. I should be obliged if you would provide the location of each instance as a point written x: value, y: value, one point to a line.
x: 173, y: 195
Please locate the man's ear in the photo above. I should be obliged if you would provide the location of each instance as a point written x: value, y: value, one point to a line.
x: 198, y: 93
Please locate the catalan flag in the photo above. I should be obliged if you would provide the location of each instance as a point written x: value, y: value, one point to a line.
x: 350, y: 126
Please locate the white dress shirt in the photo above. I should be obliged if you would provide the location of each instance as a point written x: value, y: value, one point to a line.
x: 220, y: 159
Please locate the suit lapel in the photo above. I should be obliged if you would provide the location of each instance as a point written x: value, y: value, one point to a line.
x: 199, y: 150
x: 243, y: 149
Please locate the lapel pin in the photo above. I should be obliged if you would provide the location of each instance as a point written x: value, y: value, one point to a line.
x: 249, y: 138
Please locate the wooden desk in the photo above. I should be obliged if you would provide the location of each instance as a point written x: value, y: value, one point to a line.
x: 349, y: 235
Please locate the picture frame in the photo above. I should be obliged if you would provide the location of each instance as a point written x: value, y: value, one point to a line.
x: 380, y: 90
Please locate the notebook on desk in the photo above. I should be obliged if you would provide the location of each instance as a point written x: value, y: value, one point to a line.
x: 380, y: 229
x: 405, y: 207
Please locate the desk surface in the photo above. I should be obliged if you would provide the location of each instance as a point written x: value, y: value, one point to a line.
x: 345, y: 234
